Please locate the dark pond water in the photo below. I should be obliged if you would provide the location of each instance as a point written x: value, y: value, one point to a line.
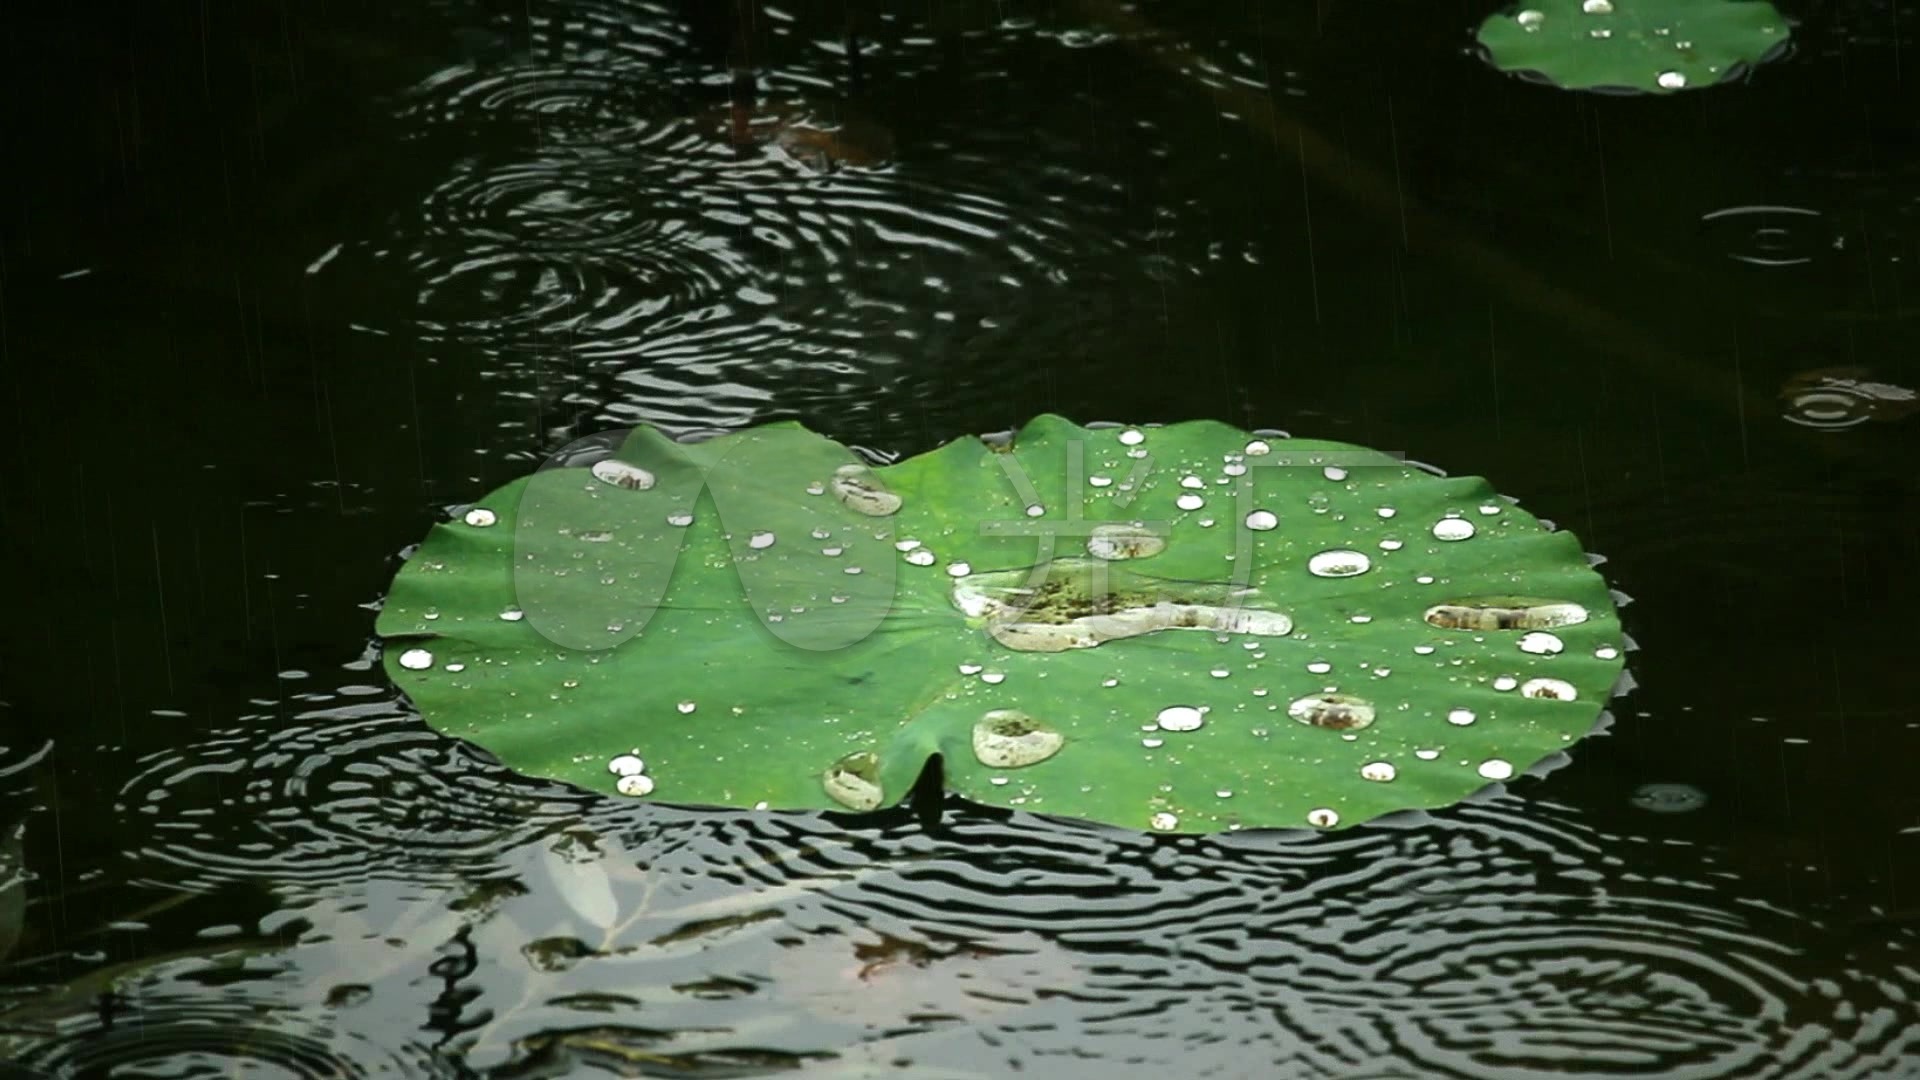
x: 280, y: 283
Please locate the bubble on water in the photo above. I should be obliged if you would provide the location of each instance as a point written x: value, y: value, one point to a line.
x: 1461, y: 717
x: 513, y: 614
x: 1541, y: 643
x: 1452, y: 529
x: 1164, y: 821
x: 622, y: 475
x: 1132, y: 437
x: 854, y: 781
x: 1262, y: 521
x: 760, y: 540
x: 859, y: 490
x: 1549, y: 689
x: 1334, y: 711
x: 1380, y: 771
x: 626, y: 765
x: 959, y: 569
x: 922, y: 557
x: 1496, y: 769
x: 1505, y: 682
x: 1124, y: 542
x: 1010, y: 739
x: 1322, y: 817
x: 1338, y: 562
x: 634, y: 784
x: 480, y: 517
x: 416, y: 659
x: 1505, y: 613
x: 1180, y: 718
x: 1334, y: 472
x: 1667, y: 798
x: 1189, y: 502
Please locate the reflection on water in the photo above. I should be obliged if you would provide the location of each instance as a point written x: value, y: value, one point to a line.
x: 220, y: 855
x: 625, y: 249
x: 1510, y: 937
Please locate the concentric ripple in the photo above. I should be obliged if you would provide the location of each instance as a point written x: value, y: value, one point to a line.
x: 609, y: 234
x: 1503, y: 938
x: 167, y: 1023
x: 333, y: 795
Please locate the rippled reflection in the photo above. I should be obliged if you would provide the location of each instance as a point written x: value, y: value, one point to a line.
x: 532, y: 928
x: 615, y: 240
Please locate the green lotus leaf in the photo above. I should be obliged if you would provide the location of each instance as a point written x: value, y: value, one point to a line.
x: 1181, y: 628
x: 1651, y: 46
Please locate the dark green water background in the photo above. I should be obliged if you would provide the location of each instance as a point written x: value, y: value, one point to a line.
x: 279, y: 283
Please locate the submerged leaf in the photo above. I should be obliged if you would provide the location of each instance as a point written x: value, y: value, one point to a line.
x: 1181, y: 628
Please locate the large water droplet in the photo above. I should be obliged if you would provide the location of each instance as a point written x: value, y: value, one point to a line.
x: 857, y: 488
x: 1530, y: 20
x: 680, y: 520
x: 1132, y: 437
x: 1549, y: 689
x: 1461, y: 717
x: 1541, y: 643
x: 922, y: 557
x: 760, y: 541
x: 686, y: 708
x: 1010, y: 739
x: 1124, y: 542
x: 1180, y: 718
x: 854, y: 781
x: 480, y: 517
x: 1338, y: 562
x: 1189, y: 501
x: 1164, y: 821
x: 1262, y: 520
x: 1452, y: 529
x: 1337, y: 712
x: 1322, y: 818
x: 1505, y: 613
x: 416, y: 659
x: 634, y: 784
x: 1380, y: 771
x: 1258, y: 447
x: 622, y: 475
x: 1496, y: 769
x: 626, y: 765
